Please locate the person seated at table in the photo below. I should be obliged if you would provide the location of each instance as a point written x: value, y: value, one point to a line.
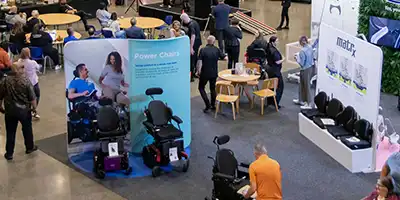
x: 13, y: 16
x: 80, y: 86
x: 103, y: 15
x: 65, y: 8
x: 70, y: 37
x: 17, y: 37
x: 42, y: 39
x: 112, y: 78
x: 92, y: 34
x: 5, y: 62
x: 114, y: 25
x: 33, y: 21
x: 134, y: 32
x: 176, y: 29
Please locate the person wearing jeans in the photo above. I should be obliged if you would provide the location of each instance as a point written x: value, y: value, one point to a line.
x: 221, y: 14
x: 305, y: 59
x: 31, y: 67
x: 207, y: 70
x: 19, y: 101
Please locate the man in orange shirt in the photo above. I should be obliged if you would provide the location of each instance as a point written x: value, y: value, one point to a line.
x: 5, y: 62
x: 265, y: 176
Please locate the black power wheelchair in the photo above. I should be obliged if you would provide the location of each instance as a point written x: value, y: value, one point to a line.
x: 111, y: 155
x: 168, y: 140
x: 228, y: 176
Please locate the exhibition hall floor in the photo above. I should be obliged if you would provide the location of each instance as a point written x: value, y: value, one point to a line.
x: 307, y: 171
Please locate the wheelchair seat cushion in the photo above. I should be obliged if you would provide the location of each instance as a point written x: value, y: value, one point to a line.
x: 338, y: 131
x: 311, y: 113
x: 110, y: 134
x: 159, y: 113
x: 363, y: 135
x: 355, y: 143
x: 334, y: 108
x: 321, y: 101
x: 168, y: 131
x: 107, y: 119
x: 226, y: 162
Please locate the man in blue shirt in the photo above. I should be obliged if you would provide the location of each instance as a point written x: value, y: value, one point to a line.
x: 103, y: 15
x: 221, y: 13
x: 134, y: 32
x: 71, y: 37
x: 80, y: 86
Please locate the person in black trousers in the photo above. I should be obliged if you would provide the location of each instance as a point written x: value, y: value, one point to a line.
x: 275, y: 60
x: 285, y: 14
x: 207, y: 70
x: 65, y: 8
x: 19, y: 101
x: 233, y: 35
x: 42, y: 39
x: 193, y: 31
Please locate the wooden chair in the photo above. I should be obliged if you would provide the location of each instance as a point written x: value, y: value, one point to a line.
x: 268, y: 90
x: 226, y: 94
x: 253, y: 66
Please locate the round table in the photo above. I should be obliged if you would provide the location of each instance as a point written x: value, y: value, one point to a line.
x: 55, y: 19
x: 142, y: 22
x: 59, y: 33
x: 228, y: 76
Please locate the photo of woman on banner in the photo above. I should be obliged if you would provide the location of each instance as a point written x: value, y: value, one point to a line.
x: 112, y: 78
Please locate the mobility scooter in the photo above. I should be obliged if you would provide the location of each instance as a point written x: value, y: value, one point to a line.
x: 168, y: 140
x: 228, y: 176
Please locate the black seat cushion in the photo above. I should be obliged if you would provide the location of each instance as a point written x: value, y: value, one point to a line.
x: 344, y: 123
x: 111, y: 134
x: 363, y: 133
x: 168, y: 131
x: 321, y: 101
x: 226, y: 162
x: 338, y: 131
x: 332, y: 111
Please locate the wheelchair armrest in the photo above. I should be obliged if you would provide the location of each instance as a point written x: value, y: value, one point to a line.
x: 177, y: 119
x: 148, y: 125
x: 245, y: 165
x: 224, y: 176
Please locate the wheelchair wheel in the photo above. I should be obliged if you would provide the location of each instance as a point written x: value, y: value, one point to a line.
x: 156, y: 171
x: 100, y: 174
x: 185, y: 166
x: 128, y: 171
x: 69, y: 132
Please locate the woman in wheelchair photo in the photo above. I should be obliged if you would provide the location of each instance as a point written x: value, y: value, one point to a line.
x: 112, y: 78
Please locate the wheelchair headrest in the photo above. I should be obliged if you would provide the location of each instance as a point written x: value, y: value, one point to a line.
x: 363, y: 129
x: 105, y: 101
x: 321, y: 101
x: 107, y: 119
x: 257, y: 52
x: 334, y: 108
x: 226, y: 162
x: 76, y: 74
x: 220, y: 140
x: 158, y: 113
x: 346, y: 115
x: 154, y: 91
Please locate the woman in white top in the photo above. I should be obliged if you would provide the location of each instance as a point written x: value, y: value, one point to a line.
x: 31, y: 67
x: 113, y: 24
x: 176, y: 30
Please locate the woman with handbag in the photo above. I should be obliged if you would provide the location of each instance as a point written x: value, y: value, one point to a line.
x: 19, y: 102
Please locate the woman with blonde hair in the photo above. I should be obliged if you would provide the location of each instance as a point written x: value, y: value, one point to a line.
x: 17, y: 36
x: 30, y: 69
x: 176, y: 30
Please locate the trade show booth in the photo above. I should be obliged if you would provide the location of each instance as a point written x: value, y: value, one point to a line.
x: 128, y: 106
x: 349, y: 72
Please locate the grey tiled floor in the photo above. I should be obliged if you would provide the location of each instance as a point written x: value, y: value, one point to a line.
x: 39, y: 176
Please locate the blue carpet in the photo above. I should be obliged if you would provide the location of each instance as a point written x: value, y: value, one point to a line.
x: 84, y: 162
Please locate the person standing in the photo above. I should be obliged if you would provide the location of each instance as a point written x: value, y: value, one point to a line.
x: 195, y: 41
x: 275, y: 60
x: 221, y: 14
x: 31, y: 67
x: 305, y: 59
x: 207, y: 70
x: 285, y: 14
x: 265, y: 176
x: 233, y: 35
x: 19, y: 101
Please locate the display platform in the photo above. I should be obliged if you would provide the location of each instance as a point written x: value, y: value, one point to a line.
x: 84, y: 162
x: 154, y: 10
x: 354, y: 160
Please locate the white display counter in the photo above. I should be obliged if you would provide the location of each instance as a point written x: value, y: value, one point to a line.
x: 354, y: 160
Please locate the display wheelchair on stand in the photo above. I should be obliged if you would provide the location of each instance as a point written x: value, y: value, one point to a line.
x: 228, y: 175
x: 168, y: 145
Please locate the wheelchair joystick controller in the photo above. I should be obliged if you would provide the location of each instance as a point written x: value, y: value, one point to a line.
x: 238, y: 180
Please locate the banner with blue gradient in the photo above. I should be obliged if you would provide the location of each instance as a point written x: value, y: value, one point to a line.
x: 164, y: 64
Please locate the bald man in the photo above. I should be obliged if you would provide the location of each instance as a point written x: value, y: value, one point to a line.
x: 207, y: 71
x: 13, y: 16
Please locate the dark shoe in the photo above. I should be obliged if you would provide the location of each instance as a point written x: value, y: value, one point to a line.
x: 205, y: 110
x: 35, y: 148
x: 286, y: 27
x: 279, y: 28
x: 213, y: 108
x: 8, y: 156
